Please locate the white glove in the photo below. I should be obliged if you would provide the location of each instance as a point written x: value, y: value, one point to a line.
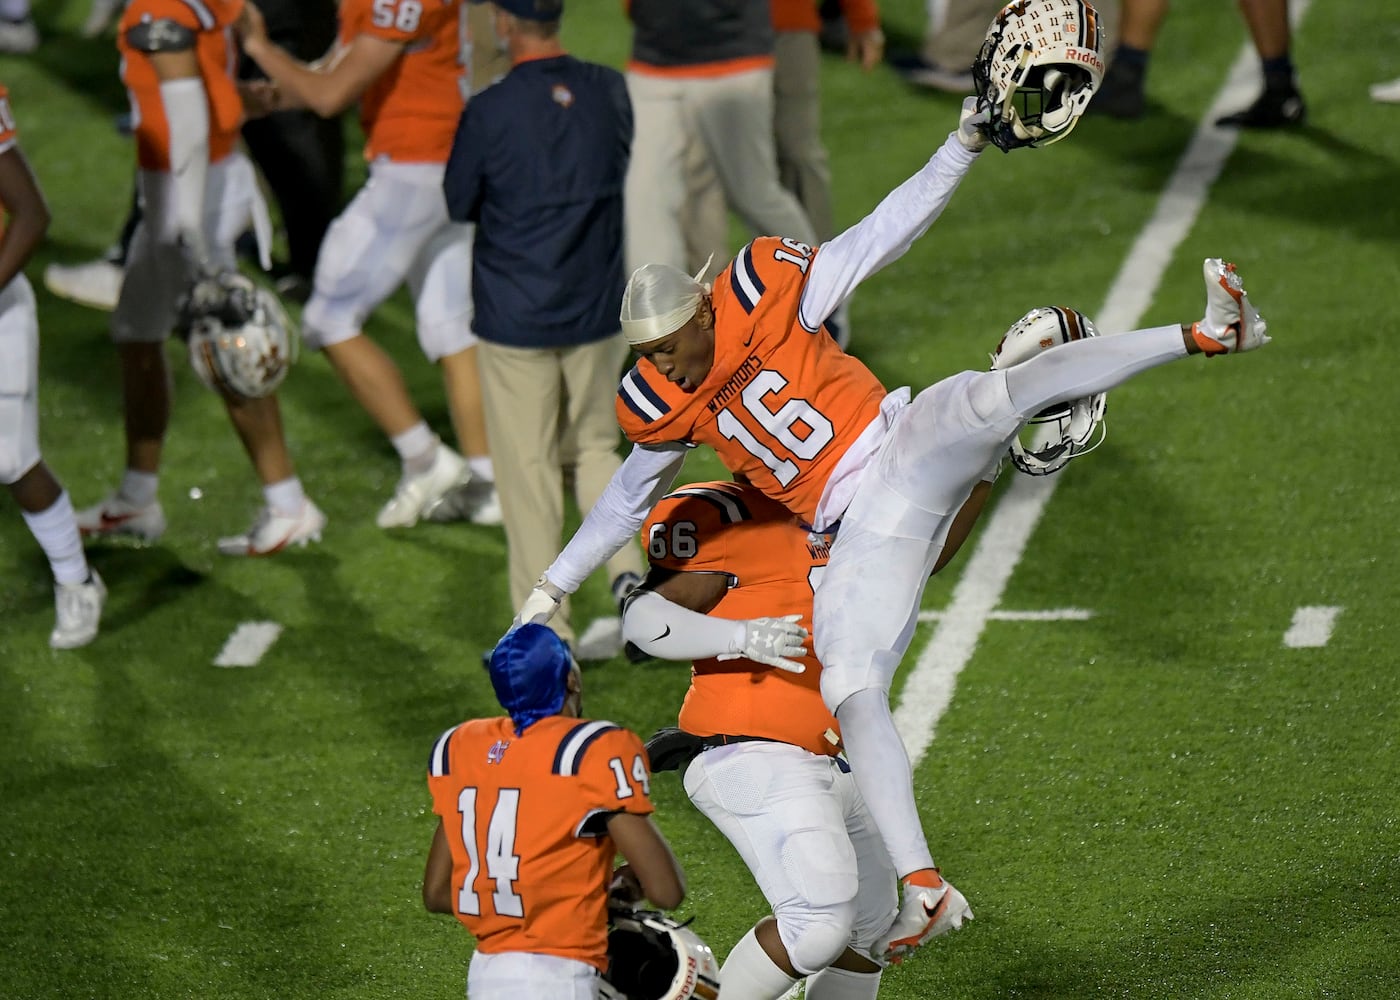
x: 771, y: 641
x: 972, y: 126
x: 541, y: 605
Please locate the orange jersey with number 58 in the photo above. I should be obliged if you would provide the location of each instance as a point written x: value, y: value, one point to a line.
x: 773, y: 565
x: 526, y: 822
x: 781, y: 404
x: 410, y: 113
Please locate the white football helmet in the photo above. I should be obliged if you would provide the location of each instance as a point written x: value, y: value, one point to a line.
x: 652, y: 957
x: 244, y: 343
x: 1065, y: 430
x: 1040, y: 64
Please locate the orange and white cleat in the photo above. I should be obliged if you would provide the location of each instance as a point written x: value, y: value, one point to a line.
x: 931, y: 907
x: 115, y: 516
x: 1231, y: 323
x: 273, y: 531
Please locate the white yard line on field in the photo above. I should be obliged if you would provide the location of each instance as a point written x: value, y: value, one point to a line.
x: 1312, y: 627
x: 246, y: 646
x: 928, y: 688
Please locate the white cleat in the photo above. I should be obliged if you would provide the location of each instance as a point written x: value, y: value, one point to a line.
x: 1231, y: 324
x: 96, y: 284
x: 78, y: 610
x: 477, y: 502
x: 273, y: 531
x: 926, y: 912
x: 114, y: 516
x: 18, y: 38
x: 417, y: 493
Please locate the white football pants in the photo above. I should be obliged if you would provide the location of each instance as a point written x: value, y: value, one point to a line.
x: 518, y: 975
x: 19, y: 380
x: 936, y: 450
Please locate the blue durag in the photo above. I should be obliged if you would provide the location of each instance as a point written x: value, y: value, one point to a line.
x: 529, y: 670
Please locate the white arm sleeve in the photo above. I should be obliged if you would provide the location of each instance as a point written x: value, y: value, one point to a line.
x: 885, y: 234
x: 643, y: 479
x: 187, y: 113
x: 665, y: 629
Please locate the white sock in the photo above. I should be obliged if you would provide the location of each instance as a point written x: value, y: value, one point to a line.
x: 482, y: 467
x: 1094, y: 364
x: 286, y: 497
x: 57, y: 534
x: 839, y: 984
x: 417, y: 447
x: 881, y: 768
x: 749, y: 974
x: 139, y: 488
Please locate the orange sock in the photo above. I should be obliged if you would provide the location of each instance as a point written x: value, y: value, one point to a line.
x: 928, y: 878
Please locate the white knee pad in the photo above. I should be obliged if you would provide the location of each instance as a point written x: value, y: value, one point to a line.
x: 817, y: 926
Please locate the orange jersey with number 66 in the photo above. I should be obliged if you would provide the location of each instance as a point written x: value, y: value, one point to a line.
x: 773, y: 565
x: 781, y: 404
x: 526, y: 822
x: 410, y: 113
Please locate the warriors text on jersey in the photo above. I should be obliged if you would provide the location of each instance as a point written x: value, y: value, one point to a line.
x: 211, y: 23
x: 773, y: 565
x: 410, y: 113
x: 525, y: 818
x: 781, y: 404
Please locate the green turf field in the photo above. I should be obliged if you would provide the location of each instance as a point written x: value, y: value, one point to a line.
x: 1161, y: 799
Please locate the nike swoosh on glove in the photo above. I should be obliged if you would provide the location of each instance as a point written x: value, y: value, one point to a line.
x: 771, y: 641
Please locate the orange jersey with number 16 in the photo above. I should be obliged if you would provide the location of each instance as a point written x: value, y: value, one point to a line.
x: 781, y: 404
x: 773, y: 565
x: 526, y: 822
x: 212, y: 24
x: 410, y: 113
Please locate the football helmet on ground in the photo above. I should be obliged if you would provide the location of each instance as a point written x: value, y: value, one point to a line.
x: 1064, y: 430
x: 1040, y: 64
x: 241, y: 341
x: 652, y: 957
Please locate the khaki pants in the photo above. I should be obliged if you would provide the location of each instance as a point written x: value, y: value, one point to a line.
x: 548, y: 413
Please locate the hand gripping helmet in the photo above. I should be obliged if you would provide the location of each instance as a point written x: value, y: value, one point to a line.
x: 245, y: 347
x: 1040, y: 63
x: 1063, y: 430
x: 652, y: 957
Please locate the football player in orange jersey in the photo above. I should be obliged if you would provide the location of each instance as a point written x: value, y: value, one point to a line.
x: 722, y: 553
x: 199, y: 193
x: 532, y: 810
x: 748, y: 368
x: 47, y: 509
x: 401, y: 60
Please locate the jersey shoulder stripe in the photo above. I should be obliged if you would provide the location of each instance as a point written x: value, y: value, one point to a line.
x: 732, y: 509
x: 439, y: 760
x: 206, y: 17
x: 576, y: 743
x: 641, y: 398
x: 744, y: 280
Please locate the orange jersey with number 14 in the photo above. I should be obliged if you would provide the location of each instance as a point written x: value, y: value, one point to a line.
x: 781, y: 404
x: 212, y: 24
x: 410, y: 113
x: 526, y: 822
x: 773, y: 565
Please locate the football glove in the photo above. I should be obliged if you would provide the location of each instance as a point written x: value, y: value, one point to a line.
x: 541, y: 605
x: 974, y: 126
x: 771, y: 641
x: 226, y: 296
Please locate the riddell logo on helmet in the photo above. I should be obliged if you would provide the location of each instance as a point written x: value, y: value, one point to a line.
x: 1085, y: 56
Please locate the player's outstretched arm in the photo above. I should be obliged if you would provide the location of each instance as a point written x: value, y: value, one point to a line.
x: 644, y: 477
x: 902, y: 216
x: 668, y: 631
x: 649, y: 857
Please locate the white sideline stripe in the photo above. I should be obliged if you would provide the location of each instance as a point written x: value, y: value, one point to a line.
x: 246, y: 646
x: 1055, y: 615
x: 928, y: 688
x: 1312, y: 627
